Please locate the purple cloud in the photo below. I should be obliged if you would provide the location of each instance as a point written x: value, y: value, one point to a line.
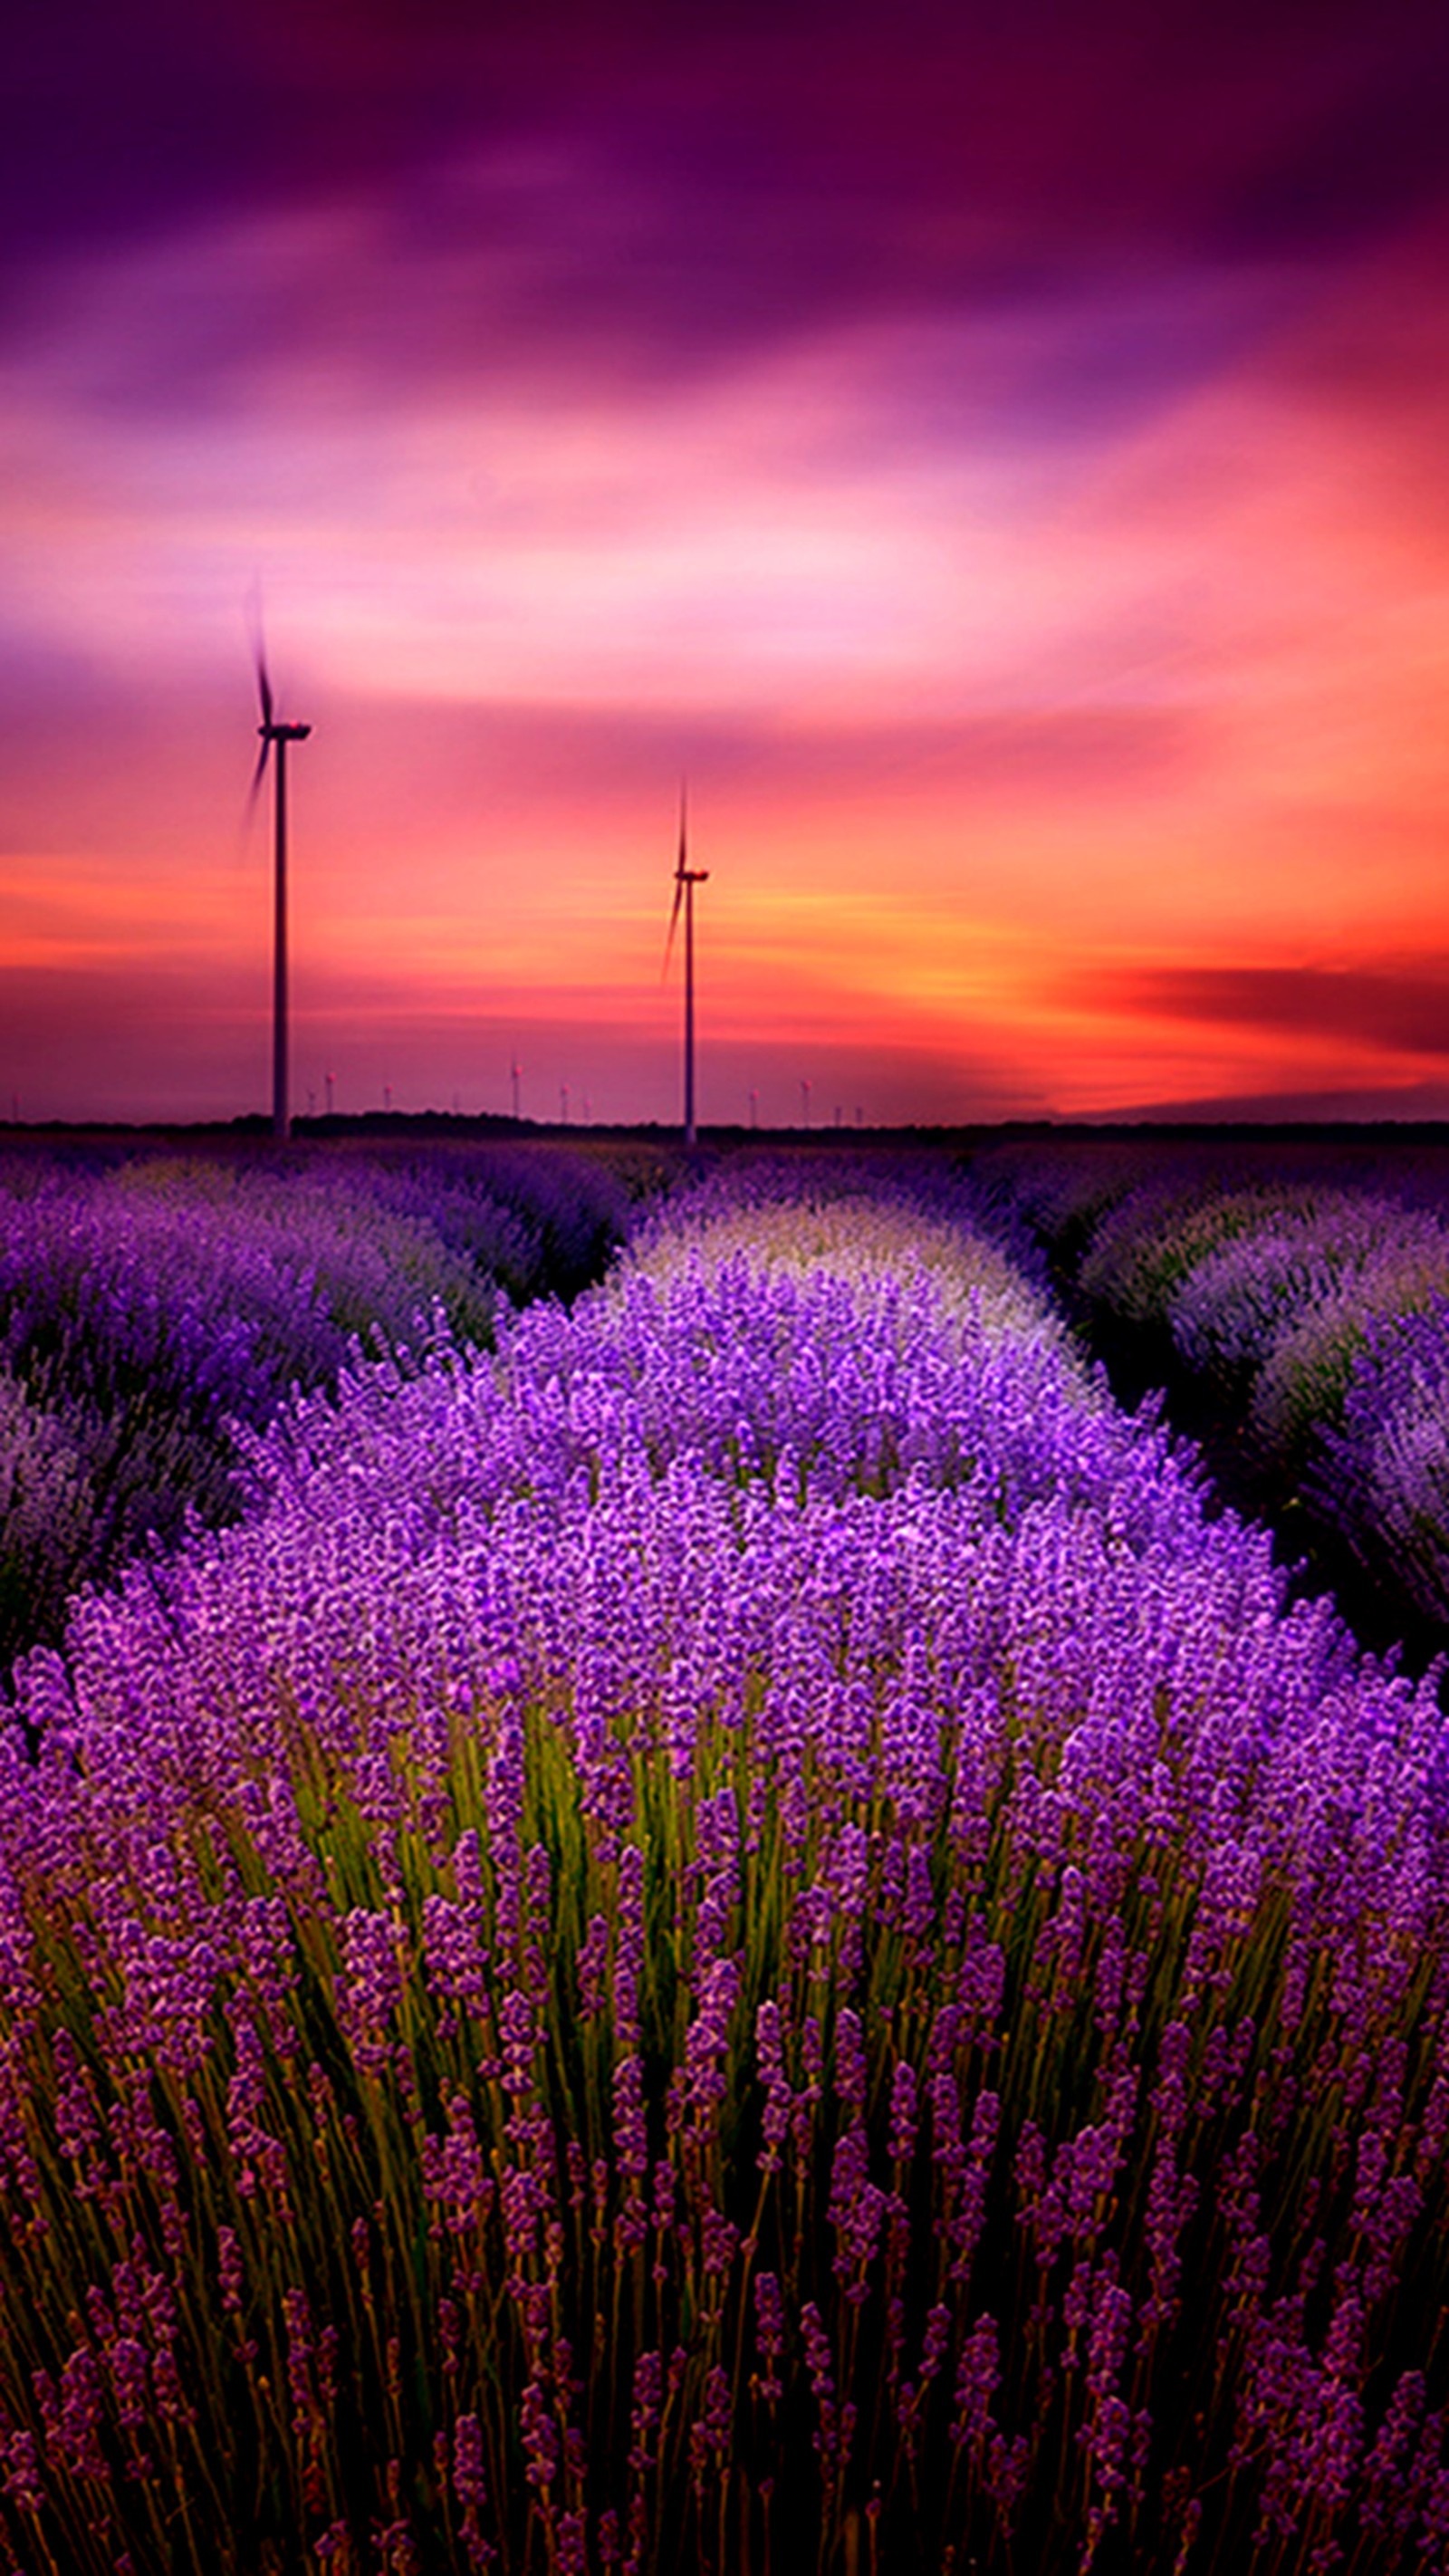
x: 658, y: 198
x: 1397, y: 1009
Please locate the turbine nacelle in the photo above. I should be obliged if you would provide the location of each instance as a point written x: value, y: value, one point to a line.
x: 684, y: 875
x: 270, y: 728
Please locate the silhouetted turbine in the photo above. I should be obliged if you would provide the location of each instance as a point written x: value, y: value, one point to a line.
x: 274, y: 732
x: 686, y: 879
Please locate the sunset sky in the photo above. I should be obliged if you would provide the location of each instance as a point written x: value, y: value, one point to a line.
x: 1000, y: 454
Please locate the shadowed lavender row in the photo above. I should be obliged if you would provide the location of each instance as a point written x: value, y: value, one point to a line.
x: 148, y: 1305
x: 729, y: 1932
x: 1312, y: 1292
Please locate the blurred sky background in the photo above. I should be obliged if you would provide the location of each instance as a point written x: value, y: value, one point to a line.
x: 1001, y: 453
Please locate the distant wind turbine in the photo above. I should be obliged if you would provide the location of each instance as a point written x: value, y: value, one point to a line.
x: 686, y: 879
x: 272, y: 732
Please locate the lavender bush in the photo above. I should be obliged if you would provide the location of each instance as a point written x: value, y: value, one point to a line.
x: 1318, y: 1311
x: 47, y: 1513
x: 151, y: 1306
x: 1383, y: 1471
x: 731, y: 1934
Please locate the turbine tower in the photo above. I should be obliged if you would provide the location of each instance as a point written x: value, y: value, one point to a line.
x: 275, y: 733
x: 686, y: 879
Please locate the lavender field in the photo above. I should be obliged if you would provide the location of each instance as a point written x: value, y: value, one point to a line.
x: 728, y: 1923
x: 156, y: 1309
x: 1302, y: 1292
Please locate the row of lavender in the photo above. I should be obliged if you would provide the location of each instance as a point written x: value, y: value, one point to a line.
x: 152, y: 1309
x: 730, y: 1932
x: 1310, y: 1290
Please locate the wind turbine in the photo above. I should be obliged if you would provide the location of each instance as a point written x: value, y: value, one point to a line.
x: 686, y: 879
x: 273, y: 732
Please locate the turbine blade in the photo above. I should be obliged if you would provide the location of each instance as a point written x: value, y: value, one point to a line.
x: 264, y: 686
x: 259, y: 649
x: 673, y: 924
x: 255, y: 789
